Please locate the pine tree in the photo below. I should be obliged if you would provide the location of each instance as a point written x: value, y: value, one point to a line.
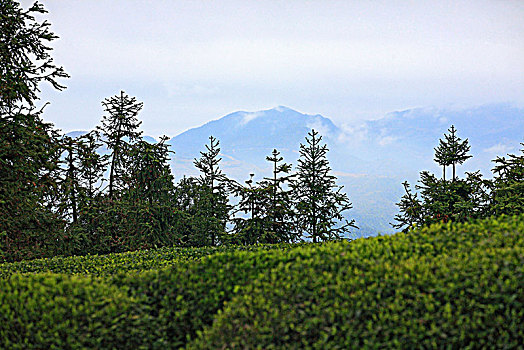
x: 411, y: 210
x: 25, y: 59
x: 92, y: 164
x: 280, y: 210
x: 253, y: 202
x: 442, y: 200
x: 320, y: 202
x: 456, y: 152
x: 84, y: 171
x: 442, y: 156
x: 71, y: 180
x: 507, y: 195
x: 148, y: 195
x: 119, y: 129
x: 214, y: 195
x: 28, y: 146
x: 149, y: 177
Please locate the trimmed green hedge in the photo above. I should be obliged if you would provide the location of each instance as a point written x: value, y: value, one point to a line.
x: 53, y: 311
x: 451, y: 285
x: 109, y: 264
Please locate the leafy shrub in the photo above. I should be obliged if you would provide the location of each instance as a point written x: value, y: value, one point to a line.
x: 108, y: 264
x: 447, y: 285
x: 53, y: 311
x: 461, y: 298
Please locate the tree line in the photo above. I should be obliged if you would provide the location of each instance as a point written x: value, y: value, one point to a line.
x: 110, y: 191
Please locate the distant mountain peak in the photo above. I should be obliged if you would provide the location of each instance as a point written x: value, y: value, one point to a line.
x: 283, y: 109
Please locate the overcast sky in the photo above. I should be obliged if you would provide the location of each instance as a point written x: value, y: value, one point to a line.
x: 193, y: 61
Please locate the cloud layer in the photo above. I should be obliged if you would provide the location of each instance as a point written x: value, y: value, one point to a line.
x: 191, y: 61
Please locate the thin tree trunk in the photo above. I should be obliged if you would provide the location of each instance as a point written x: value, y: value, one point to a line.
x: 73, y: 193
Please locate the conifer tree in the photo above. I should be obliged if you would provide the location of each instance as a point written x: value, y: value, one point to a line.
x: 92, y: 164
x: 148, y: 195
x: 25, y: 59
x: 71, y: 180
x: 84, y: 175
x: 320, y: 202
x: 411, y: 210
x: 280, y: 209
x: 119, y: 129
x: 442, y: 156
x: 215, y: 196
x: 507, y: 195
x: 456, y: 150
x: 442, y: 200
x: 253, y: 201
x: 28, y: 148
x: 149, y: 177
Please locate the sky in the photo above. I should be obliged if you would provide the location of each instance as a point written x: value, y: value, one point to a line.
x: 194, y: 61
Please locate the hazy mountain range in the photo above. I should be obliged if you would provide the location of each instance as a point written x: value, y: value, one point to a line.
x: 370, y: 159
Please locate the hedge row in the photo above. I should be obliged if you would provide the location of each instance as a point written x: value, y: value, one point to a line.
x: 443, y: 286
x: 109, y: 264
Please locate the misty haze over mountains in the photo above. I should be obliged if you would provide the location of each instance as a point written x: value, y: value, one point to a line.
x: 371, y: 159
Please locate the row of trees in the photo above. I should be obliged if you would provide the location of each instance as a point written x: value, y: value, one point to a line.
x: 109, y: 190
x: 461, y: 199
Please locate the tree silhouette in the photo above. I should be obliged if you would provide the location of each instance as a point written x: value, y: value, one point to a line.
x: 320, y: 202
x: 119, y: 127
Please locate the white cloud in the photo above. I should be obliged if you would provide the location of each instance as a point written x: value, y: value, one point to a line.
x: 386, y: 140
x: 320, y: 127
x: 249, y: 116
x: 500, y: 149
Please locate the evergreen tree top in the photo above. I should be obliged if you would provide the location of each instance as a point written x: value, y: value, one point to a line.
x: 25, y: 58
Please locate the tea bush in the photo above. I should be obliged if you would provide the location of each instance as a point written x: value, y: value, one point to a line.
x: 447, y: 285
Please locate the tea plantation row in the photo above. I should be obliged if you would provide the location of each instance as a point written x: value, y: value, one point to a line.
x: 141, y: 260
x: 454, y: 286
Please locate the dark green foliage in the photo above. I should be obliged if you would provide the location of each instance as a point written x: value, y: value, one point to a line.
x: 281, y: 215
x: 120, y: 129
x: 29, y: 157
x: 508, y: 185
x: 29, y: 148
x: 50, y: 311
x: 253, y: 202
x: 25, y: 58
x: 214, y: 207
x: 319, y: 201
x: 441, y: 199
x: 269, y: 215
x: 447, y: 285
x: 452, y: 151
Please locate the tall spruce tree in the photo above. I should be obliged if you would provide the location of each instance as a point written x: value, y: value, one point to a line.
x: 456, y: 150
x: 28, y: 147
x: 280, y: 209
x: 215, y: 194
x: 148, y: 195
x: 119, y: 129
x: 319, y: 201
x: 71, y: 178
